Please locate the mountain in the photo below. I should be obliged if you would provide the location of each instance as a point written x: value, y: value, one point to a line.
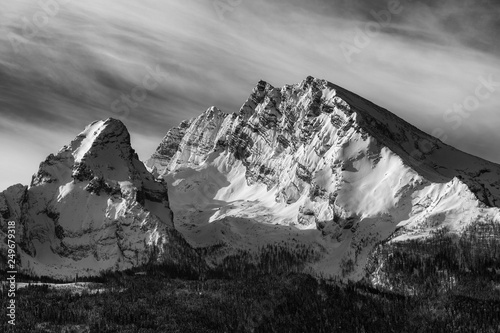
x: 309, y: 177
x: 313, y: 166
x: 91, y: 207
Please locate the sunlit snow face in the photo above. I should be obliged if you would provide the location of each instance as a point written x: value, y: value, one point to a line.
x: 67, y: 63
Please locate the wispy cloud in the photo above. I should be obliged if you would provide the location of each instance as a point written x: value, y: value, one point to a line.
x: 88, y: 55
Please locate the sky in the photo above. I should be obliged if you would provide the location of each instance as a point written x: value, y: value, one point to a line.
x: 154, y: 63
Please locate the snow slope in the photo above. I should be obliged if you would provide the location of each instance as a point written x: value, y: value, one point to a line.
x: 309, y: 165
x: 89, y: 208
x: 314, y: 164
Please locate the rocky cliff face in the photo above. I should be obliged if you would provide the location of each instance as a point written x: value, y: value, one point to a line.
x: 345, y: 173
x: 91, y: 207
x: 309, y: 166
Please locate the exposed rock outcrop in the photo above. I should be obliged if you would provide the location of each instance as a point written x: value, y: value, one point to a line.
x: 331, y: 161
x: 93, y: 206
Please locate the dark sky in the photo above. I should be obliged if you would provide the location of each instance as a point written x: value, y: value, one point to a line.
x: 419, y: 62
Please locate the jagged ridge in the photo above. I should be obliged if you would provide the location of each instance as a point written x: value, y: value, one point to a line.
x: 91, y: 207
x: 318, y: 157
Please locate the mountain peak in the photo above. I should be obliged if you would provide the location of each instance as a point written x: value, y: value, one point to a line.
x: 92, y: 206
x: 258, y: 95
x: 98, y: 133
x: 317, y: 156
x: 214, y: 112
x: 101, y: 150
x: 262, y: 85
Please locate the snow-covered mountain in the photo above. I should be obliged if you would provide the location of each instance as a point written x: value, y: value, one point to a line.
x: 312, y: 164
x: 91, y: 207
x: 311, y: 168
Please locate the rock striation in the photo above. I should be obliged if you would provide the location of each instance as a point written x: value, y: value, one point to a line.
x: 317, y: 157
x: 91, y: 207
